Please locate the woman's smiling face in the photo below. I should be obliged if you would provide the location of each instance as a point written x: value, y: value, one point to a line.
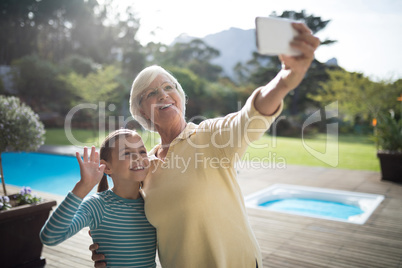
x: 160, y: 101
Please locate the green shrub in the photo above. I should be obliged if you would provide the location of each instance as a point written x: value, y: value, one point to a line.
x: 388, y: 133
x: 20, y: 127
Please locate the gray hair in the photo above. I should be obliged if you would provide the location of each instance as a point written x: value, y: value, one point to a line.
x: 141, y: 82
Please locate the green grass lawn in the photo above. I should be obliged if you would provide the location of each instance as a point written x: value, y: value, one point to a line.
x: 354, y: 152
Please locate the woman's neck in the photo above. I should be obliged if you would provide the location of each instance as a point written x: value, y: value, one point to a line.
x: 129, y: 190
x: 169, y: 132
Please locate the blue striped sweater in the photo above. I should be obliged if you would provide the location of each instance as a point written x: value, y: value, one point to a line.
x: 118, y: 225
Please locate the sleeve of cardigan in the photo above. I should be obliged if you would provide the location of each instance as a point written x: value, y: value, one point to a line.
x: 233, y: 133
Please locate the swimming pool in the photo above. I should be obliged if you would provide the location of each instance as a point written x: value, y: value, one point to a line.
x: 346, y: 206
x: 56, y: 174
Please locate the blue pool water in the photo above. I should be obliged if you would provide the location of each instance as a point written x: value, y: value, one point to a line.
x: 313, y: 207
x: 50, y: 173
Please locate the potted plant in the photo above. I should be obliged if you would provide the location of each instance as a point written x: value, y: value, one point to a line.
x: 388, y: 137
x: 22, y: 215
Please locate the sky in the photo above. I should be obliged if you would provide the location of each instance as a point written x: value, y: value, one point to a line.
x: 368, y: 32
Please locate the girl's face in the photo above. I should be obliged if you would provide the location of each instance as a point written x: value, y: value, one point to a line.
x: 129, y: 160
x: 160, y: 101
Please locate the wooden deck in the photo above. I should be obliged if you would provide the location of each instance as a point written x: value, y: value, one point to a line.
x: 297, y: 241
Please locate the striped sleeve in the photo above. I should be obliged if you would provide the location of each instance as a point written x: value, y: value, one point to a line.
x: 68, y: 219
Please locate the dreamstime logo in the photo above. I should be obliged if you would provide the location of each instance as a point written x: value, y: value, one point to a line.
x: 330, y: 155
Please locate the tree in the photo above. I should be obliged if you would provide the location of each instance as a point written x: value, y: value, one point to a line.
x: 41, y: 27
x: 94, y: 88
x: 18, y: 29
x: 315, y: 24
x: 222, y: 97
x: 78, y: 64
x: 357, y: 95
x: 133, y: 56
x: 193, y: 86
x: 54, y: 29
x: 195, y: 55
x: 36, y: 83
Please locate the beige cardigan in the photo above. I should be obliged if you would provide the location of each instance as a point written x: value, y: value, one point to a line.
x: 193, y: 199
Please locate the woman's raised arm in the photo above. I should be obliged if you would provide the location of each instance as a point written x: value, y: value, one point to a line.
x: 293, y: 71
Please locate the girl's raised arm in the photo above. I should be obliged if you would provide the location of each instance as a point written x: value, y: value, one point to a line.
x: 70, y: 217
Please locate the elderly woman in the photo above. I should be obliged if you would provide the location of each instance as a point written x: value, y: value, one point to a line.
x: 191, y: 194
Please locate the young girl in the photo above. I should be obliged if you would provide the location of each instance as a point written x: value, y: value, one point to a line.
x: 116, y: 217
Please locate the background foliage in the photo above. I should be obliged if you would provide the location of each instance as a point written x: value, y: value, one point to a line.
x: 62, y: 53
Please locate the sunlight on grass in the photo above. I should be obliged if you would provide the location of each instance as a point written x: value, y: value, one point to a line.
x: 354, y: 153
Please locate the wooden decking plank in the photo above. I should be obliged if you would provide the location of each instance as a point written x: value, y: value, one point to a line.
x: 276, y: 261
x: 386, y: 251
x: 57, y: 258
x: 367, y: 248
x: 366, y: 258
x: 295, y: 256
x: 348, y: 261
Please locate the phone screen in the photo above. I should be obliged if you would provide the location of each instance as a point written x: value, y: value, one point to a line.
x: 274, y: 36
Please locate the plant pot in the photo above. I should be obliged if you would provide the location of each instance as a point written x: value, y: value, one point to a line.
x: 19, y: 231
x: 391, y: 166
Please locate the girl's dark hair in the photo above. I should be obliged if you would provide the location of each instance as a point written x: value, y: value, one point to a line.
x: 106, y: 151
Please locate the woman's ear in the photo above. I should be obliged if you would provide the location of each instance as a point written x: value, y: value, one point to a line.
x: 108, y: 168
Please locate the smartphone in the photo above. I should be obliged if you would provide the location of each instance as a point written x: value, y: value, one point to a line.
x: 273, y: 36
